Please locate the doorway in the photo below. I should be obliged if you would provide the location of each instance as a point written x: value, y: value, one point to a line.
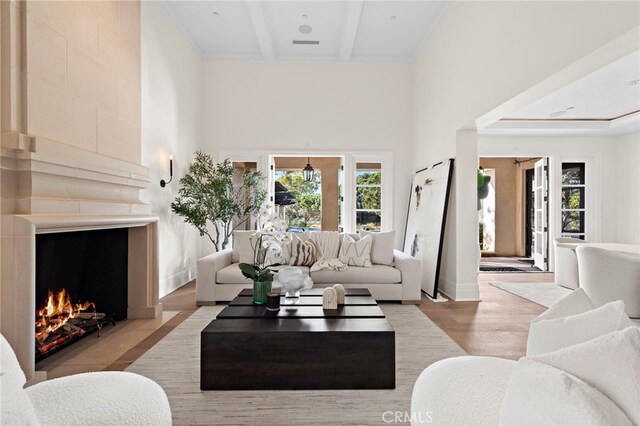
x: 513, y: 215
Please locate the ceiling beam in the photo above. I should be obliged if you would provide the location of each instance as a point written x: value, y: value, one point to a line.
x: 350, y: 29
x: 256, y: 14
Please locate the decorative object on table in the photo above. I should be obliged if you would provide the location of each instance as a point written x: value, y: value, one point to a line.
x: 329, y: 298
x: 273, y: 301
x: 291, y: 280
x: 426, y: 218
x: 265, y: 241
x: 339, y: 288
x: 209, y: 200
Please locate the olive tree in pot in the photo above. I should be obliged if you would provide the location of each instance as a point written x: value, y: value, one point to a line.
x: 209, y: 200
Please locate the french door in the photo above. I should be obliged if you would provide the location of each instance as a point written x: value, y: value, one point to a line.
x: 541, y: 215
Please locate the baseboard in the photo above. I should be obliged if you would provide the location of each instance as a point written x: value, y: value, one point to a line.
x: 177, y: 280
x: 460, y: 292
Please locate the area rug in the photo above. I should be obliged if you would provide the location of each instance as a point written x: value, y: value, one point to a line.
x: 545, y: 294
x: 174, y: 363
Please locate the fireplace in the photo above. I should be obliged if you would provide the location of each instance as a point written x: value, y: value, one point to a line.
x: 81, y: 285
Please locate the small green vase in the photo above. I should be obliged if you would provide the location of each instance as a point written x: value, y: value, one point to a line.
x: 260, y: 290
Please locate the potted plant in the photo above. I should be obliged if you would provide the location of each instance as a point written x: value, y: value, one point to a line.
x: 267, y: 246
x: 209, y: 200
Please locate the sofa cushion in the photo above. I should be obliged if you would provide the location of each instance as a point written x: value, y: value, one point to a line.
x: 378, y: 274
x: 356, y: 253
x: 609, y: 363
x: 539, y: 394
x: 242, y: 248
x: 553, y: 334
x: 9, y: 364
x: 381, y: 247
x: 232, y: 275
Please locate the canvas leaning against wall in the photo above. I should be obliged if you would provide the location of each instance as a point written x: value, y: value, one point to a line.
x: 424, y: 232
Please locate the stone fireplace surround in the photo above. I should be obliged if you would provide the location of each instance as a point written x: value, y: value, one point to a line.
x: 51, y: 187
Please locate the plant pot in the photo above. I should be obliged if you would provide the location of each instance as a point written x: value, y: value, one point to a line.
x: 260, y: 290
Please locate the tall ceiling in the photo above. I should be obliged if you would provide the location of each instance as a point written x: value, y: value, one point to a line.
x: 385, y: 31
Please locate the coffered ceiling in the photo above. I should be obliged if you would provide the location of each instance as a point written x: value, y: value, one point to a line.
x: 385, y: 31
x: 606, y: 101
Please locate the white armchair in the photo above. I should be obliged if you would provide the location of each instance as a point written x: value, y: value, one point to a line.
x: 103, y: 398
x: 607, y: 275
x: 566, y: 262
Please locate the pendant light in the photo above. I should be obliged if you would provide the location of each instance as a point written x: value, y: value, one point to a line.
x: 308, y: 171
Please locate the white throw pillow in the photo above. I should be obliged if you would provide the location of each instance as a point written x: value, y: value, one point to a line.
x: 356, y: 253
x: 575, y: 303
x: 299, y: 252
x: 538, y: 394
x: 381, y: 247
x: 242, y: 248
x: 609, y: 363
x: 552, y: 334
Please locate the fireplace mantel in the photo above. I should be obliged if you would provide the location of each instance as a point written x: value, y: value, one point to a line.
x: 52, y: 187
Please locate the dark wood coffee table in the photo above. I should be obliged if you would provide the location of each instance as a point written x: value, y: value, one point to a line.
x: 300, y: 347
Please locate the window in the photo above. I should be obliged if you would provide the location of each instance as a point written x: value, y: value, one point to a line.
x: 573, y: 200
x: 368, y: 196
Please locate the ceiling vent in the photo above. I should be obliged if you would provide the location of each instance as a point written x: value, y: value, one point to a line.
x: 306, y: 42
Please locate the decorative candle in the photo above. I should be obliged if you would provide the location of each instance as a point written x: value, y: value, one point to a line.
x: 273, y: 301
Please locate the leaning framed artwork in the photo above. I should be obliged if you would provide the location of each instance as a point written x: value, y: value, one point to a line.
x: 426, y: 219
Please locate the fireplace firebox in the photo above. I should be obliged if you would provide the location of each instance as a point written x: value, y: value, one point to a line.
x: 81, y: 285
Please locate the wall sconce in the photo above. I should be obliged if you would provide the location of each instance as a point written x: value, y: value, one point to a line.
x: 164, y: 183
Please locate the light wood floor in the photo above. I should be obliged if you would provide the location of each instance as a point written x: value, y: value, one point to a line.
x: 496, y: 326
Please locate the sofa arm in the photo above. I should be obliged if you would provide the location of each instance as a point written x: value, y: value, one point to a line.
x: 206, y: 270
x: 409, y: 267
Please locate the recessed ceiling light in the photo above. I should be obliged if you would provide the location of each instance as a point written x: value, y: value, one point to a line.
x: 305, y: 29
x: 304, y: 16
x: 393, y: 17
x: 634, y: 82
x: 216, y: 14
x: 557, y: 114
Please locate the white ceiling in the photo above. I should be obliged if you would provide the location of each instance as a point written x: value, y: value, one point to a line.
x: 603, y: 102
x: 348, y: 30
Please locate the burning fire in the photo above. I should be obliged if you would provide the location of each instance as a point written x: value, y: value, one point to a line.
x: 57, y: 312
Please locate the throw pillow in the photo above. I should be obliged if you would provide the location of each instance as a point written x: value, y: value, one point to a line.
x: 242, y: 247
x: 356, y: 253
x: 609, y: 363
x: 300, y: 253
x: 381, y: 247
x: 553, y: 334
x: 575, y: 303
x: 539, y: 394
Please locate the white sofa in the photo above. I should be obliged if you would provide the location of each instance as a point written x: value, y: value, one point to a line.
x: 607, y: 275
x: 561, y: 380
x: 219, y: 278
x: 103, y: 398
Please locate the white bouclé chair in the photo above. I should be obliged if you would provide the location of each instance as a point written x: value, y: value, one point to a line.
x: 607, y: 275
x: 566, y: 262
x: 103, y: 398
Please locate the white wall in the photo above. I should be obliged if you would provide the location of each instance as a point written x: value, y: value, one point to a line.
x: 479, y: 56
x: 171, y: 124
x: 627, y: 166
x: 313, y: 106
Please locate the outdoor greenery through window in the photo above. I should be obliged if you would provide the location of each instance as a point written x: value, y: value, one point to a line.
x: 306, y: 213
x: 368, y: 196
x: 573, y: 200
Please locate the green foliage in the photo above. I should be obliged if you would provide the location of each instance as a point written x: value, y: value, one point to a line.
x: 307, y: 210
x: 207, y: 196
x: 369, y: 178
x: 367, y: 197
